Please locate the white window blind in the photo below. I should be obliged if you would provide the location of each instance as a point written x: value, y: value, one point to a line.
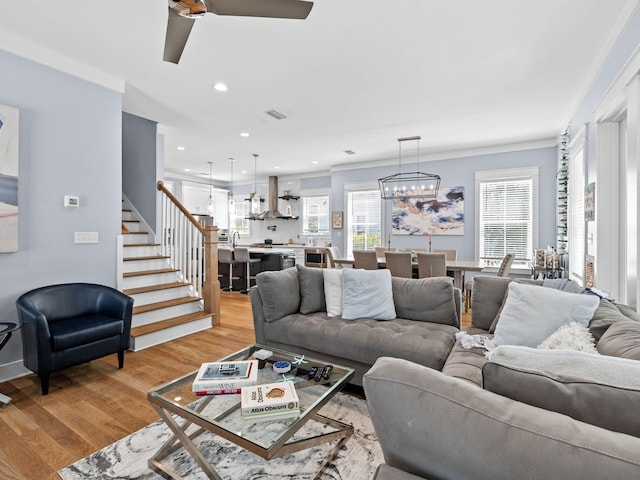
x: 506, y: 218
x: 576, y: 222
x: 364, y: 214
x: 315, y: 215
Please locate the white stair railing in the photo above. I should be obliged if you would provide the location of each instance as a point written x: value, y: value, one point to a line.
x: 192, y: 249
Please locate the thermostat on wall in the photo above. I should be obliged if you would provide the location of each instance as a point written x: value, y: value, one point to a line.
x: 71, y: 201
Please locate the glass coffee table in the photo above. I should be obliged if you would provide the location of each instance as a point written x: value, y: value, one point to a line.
x: 189, y: 415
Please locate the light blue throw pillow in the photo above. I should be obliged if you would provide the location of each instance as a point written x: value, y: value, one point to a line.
x: 531, y: 313
x: 367, y: 294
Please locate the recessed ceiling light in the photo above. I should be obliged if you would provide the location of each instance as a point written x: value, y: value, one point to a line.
x: 277, y: 167
x: 187, y: 169
x: 243, y: 171
x: 220, y: 87
x: 181, y: 148
x: 315, y: 162
x: 244, y: 134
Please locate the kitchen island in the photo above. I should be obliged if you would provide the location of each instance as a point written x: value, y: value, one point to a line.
x: 272, y: 258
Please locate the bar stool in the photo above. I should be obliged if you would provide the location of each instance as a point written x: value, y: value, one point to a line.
x: 242, y: 256
x: 225, y: 255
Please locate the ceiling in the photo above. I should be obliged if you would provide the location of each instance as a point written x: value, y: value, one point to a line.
x: 355, y: 75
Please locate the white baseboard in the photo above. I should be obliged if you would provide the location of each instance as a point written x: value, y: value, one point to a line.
x: 13, y: 370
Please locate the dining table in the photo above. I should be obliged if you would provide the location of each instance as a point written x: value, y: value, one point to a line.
x: 457, y: 267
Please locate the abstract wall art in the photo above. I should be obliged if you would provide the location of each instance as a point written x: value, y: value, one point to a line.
x: 9, y: 136
x: 427, y: 216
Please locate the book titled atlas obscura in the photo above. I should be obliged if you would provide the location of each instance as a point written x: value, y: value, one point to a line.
x: 217, y: 378
x: 269, y: 401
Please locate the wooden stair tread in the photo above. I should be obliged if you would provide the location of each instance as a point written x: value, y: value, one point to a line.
x: 168, y: 323
x: 154, y: 288
x: 131, y: 221
x: 146, y: 257
x: 141, y: 245
x: 164, y: 304
x: 149, y: 272
x: 135, y: 233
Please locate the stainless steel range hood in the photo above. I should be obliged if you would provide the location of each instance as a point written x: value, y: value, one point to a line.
x: 272, y: 213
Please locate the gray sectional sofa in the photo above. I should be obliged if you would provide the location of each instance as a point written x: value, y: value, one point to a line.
x: 442, y: 411
x: 289, y: 313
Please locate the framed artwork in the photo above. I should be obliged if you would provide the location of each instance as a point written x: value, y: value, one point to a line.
x: 427, y: 216
x: 590, y: 202
x: 336, y: 219
x: 9, y: 136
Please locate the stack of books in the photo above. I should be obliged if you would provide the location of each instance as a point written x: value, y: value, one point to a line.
x: 220, y: 378
x: 270, y: 401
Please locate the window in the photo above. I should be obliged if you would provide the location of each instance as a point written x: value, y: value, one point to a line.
x: 239, y: 221
x: 576, y: 222
x: 364, y: 214
x: 506, y: 213
x: 315, y: 215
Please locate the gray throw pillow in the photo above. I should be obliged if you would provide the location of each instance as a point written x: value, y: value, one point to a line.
x: 622, y: 339
x: 280, y: 293
x: 595, y: 389
x: 425, y: 299
x: 311, y: 290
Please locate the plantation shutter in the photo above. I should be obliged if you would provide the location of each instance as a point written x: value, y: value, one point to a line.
x: 576, y: 215
x: 364, y: 220
x: 506, y: 219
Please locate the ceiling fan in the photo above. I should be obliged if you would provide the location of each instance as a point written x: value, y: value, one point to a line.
x: 183, y: 13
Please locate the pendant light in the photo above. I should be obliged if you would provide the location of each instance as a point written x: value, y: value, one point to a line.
x: 411, y: 184
x: 232, y: 203
x: 255, y: 199
x: 210, y: 206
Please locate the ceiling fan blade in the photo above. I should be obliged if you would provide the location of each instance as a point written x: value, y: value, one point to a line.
x: 178, y: 30
x: 297, y: 9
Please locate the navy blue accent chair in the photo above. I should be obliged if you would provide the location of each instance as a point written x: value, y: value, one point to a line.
x: 70, y: 324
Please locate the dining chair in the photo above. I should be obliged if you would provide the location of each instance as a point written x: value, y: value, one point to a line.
x: 380, y: 251
x: 451, y: 254
x: 399, y: 264
x: 367, y: 259
x: 503, y: 271
x: 332, y: 254
x: 432, y: 265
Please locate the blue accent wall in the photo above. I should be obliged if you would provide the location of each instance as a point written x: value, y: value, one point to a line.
x: 70, y: 144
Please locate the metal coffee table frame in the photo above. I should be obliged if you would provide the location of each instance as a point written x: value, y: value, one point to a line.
x: 168, y: 408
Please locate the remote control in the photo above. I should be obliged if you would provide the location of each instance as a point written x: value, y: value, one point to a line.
x: 326, y: 372
x: 312, y: 373
x: 318, y: 376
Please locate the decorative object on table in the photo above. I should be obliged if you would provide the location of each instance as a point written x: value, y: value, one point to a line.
x: 443, y: 215
x: 127, y: 458
x: 590, y: 202
x: 282, y: 366
x: 336, y: 218
x: 409, y: 184
x: 269, y: 401
x: 262, y: 355
x: 589, y: 271
x: 217, y: 378
x: 9, y: 137
x: 539, y: 256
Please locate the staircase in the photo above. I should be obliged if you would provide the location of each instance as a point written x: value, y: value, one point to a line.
x: 165, y: 306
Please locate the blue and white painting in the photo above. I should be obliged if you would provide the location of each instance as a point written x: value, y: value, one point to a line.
x: 8, y: 179
x: 428, y: 216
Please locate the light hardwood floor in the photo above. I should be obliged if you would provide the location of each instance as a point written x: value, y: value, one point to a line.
x: 92, y: 405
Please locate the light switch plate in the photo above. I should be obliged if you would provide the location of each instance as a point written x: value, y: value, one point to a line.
x: 85, y: 237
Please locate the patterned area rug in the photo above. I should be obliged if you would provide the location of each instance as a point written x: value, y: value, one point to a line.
x: 126, y: 459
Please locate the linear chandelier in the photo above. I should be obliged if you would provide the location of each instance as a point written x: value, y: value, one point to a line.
x: 409, y: 184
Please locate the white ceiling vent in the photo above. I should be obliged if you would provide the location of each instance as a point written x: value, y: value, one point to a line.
x: 276, y: 114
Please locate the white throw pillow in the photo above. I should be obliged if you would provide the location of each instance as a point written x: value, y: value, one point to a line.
x: 571, y: 336
x: 532, y: 313
x: 367, y: 294
x: 333, y: 291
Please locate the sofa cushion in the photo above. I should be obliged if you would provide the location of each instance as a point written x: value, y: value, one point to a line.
x: 280, y: 292
x: 605, y: 315
x: 367, y: 294
x: 622, y: 339
x: 364, y: 340
x: 311, y: 290
x: 466, y: 363
x: 333, y: 291
x: 595, y: 389
x: 532, y: 313
x: 425, y: 299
